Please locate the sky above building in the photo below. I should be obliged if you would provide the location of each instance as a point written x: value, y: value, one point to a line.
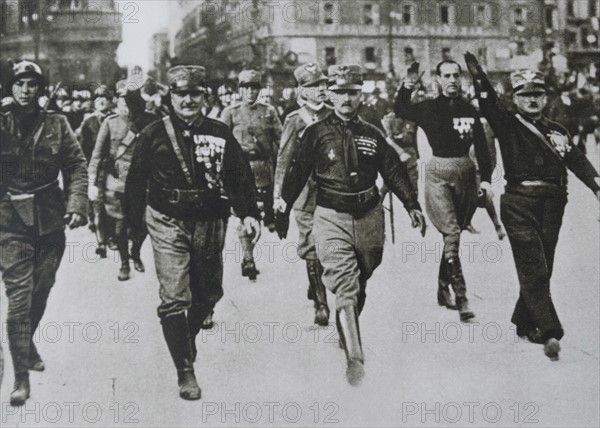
x: 141, y: 19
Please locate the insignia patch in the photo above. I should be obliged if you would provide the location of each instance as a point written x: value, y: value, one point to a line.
x: 464, y: 126
x: 331, y: 154
x: 560, y: 141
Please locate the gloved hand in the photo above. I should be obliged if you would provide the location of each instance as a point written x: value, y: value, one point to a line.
x: 418, y: 220
x: 282, y: 224
x: 473, y: 66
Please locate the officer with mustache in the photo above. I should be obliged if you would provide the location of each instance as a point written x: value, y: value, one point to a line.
x: 345, y: 154
x: 195, y: 172
x: 312, y: 85
x: 536, y: 153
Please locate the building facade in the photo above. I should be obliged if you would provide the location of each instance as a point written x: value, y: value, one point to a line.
x: 75, y: 41
x: 377, y: 33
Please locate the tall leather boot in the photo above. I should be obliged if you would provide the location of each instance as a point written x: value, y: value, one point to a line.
x: 362, y: 295
x: 457, y: 281
x: 443, y: 295
x: 347, y: 321
x: 315, y: 271
x: 100, y: 223
x: 177, y: 335
x: 248, y: 266
x: 19, y: 342
x: 38, y: 306
x: 136, y: 247
x: 122, y: 245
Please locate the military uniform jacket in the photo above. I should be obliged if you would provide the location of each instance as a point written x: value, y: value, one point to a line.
x: 525, y: 155
x: 88, y: 132
x: 346, y: 158
x: 293, y: 127
x: 218, y: 167
x: 113, y: 151
x: 53, y: 150
x: 256, y: 127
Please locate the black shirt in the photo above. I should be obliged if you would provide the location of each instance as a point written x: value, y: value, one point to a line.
x: 525, y: 156
x: 215, y: 160
x: 452, y: 125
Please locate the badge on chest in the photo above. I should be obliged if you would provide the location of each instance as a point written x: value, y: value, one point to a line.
x: 464, y: 126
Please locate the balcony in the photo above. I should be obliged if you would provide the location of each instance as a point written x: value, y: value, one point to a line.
x: 352, y: 30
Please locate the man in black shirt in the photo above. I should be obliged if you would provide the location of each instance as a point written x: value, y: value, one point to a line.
x: 536, y: 154
x: 345, y: 154
x: 195, y: 171
x: 452, y: 126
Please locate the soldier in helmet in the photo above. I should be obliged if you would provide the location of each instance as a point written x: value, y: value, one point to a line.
x: 112, y: 158
x: 195, y: 172
x: 312, y: 86
x: 34, y: 210
x: 258, y: 129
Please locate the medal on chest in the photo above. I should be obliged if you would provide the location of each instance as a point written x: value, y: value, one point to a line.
x: 209, y: 152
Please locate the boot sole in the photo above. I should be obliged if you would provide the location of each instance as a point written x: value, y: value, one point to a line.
x: 37, y: 366
x: 355, y: 372
x: 191, y: 396
x: 17, y: 402
x: 551, y: 349
x: 467, y: 316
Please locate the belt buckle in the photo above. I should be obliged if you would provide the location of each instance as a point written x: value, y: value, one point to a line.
x: 362, y: 197
x: 175, y: 196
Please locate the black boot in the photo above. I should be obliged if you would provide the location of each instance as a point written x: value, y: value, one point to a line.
x: 100, y: 232
x: 21, y: 390
x: 460, y: 288
x: 124, y: 271
x: 248, y: 266
x: 347, y: 321
x: 35, y: 361
x: 362, y: 295
x: 136, y: 248
x: 319, y: 293
x: 177, y: 335
x: 443, y: 294
x: 19, y: 341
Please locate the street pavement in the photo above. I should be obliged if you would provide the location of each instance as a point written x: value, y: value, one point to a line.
x: 265, y: 363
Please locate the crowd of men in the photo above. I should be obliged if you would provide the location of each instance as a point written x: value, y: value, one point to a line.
x: 174, y: 162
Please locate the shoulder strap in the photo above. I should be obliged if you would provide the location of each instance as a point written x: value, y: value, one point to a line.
x: 171, y: 133
x: 539, y: 135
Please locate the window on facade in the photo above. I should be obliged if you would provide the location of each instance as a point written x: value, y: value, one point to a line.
x: 482, y: 55
x: 370, y: 55
x: 368, y: 14
x: 446, y: 54
x: 570, y: 39
x: 407, y: 14
x: 549, y: 18
x: 518, y: 16
x: 593, y: 8
x: 445, y: 14
x: 570, y: 8
x: 329, y: 10
x: 330, y: 56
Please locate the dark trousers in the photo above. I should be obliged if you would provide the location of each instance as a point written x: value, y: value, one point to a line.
x: 122, y: 238
x: 28, y: 264
x: 532, y: 217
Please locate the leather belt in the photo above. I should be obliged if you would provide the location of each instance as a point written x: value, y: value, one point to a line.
x: 39, y: 189
x: 558, y: 181
x: 175, y: 196
x: 346, y: 202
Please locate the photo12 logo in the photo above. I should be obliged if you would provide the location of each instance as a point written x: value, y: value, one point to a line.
x: 471, y: 412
